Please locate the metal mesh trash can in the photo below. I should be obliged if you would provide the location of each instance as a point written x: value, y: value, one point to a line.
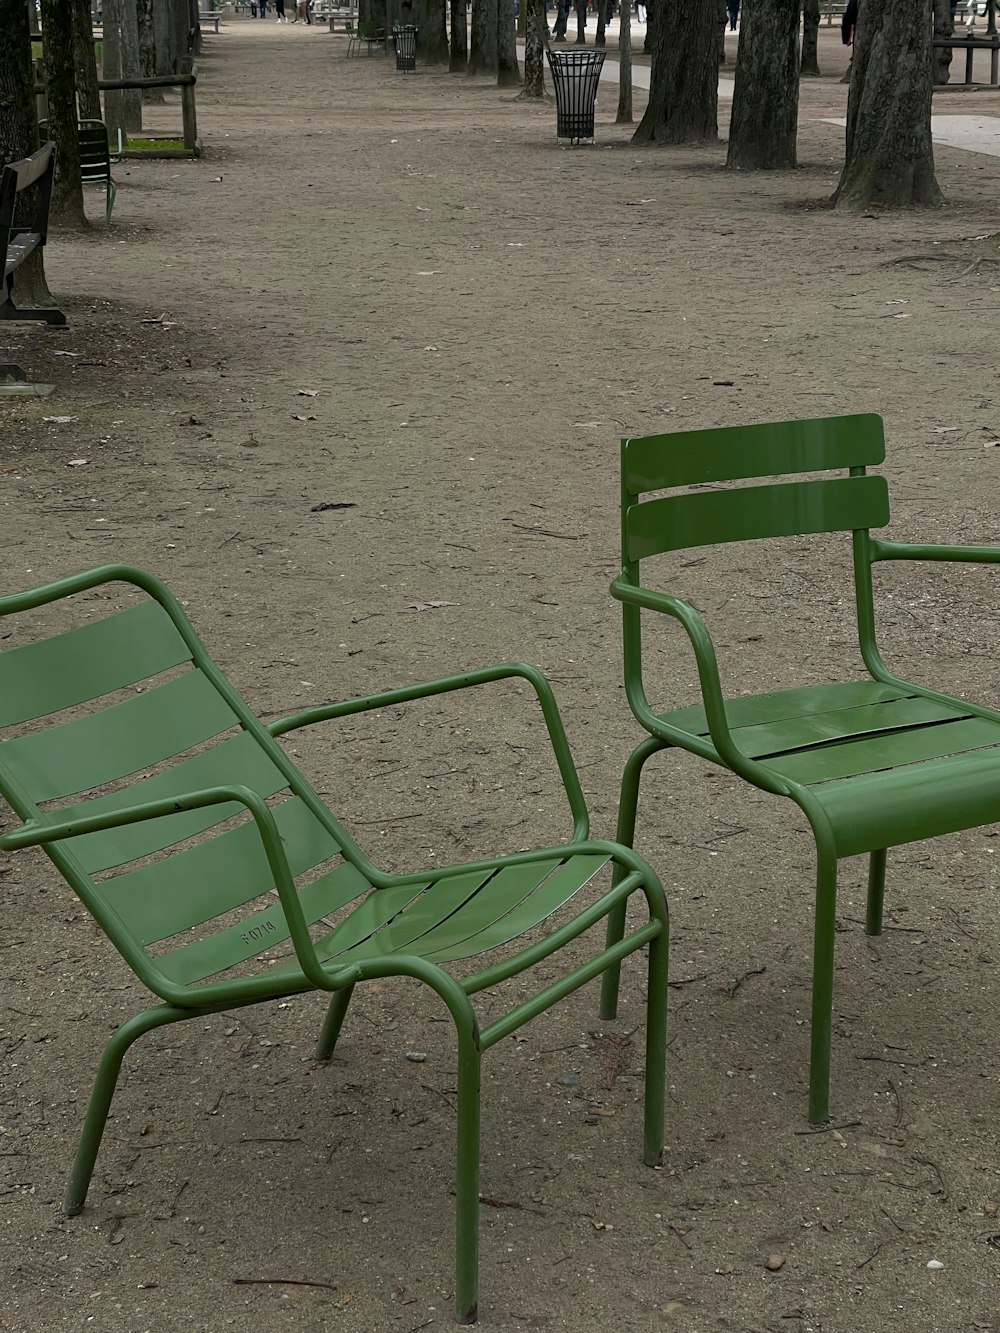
x: 575, y: 75
x: 405, y: 38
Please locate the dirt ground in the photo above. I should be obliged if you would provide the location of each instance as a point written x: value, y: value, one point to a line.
x: 482, y: 313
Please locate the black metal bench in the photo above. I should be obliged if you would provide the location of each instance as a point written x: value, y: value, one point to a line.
x: 17, y: 242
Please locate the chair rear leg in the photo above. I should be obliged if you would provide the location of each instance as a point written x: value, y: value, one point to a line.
x: 876, y: 892
x: 333, y: 1022
x: 628, y: 802
x: 822, y: 994
x: 100, y: 1099
x: 656, y: 1050
x: 467, y: 1181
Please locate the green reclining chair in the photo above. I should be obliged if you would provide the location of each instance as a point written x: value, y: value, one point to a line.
x: 872, y: 762
x: 129, y: 697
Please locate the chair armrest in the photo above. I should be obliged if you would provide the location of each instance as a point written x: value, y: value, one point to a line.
x: 708, y: 671
x: 34, y: 834
x: 445, y: 685
x: 968, y: 555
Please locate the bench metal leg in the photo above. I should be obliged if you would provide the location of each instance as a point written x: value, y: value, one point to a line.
x: 55, y: 318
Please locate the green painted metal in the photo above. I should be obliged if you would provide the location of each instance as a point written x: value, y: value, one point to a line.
x: 42, y: 677
x: 206, y: 790
x: 730, y: 453
x: 106, y: 746
x: 705, y: 518
x: 872, y: 763
x: 119, y: 843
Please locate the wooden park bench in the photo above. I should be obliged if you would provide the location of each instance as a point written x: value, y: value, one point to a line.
x: 18, y: 242
x: 224, y: 880
x: 212, y: 18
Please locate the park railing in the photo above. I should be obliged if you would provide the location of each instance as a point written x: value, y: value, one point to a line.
x: 970, y: 44
x: 189, y: 119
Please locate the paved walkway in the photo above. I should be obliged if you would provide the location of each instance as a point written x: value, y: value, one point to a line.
x: 976, y: 134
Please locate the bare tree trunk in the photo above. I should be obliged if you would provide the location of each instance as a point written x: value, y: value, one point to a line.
x: 684, y: 80
x: 483, y: 44
x: 809, y: 65
x: 432, y: 31
x: 181, y: 14
x: 458, y: 56
x: 534, y: 50
x: 60, y: 79
x: 652, y: 18
x: 890, y: 156
x: 88, y: 94
x: 147, y: 51
x: 722, y: 20
x: 766, y: 93
x: 128, y: 17
x: 19, y: 135
x: 508, y: 70
x: 944, y: 26
x: 602, y: 23
x: 581, y: 22
x: 164, y: 41
x: 624, y: 116
x: 111, y: 68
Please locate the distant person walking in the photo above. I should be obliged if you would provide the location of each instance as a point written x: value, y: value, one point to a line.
x: 734, y: 13
x: 279, y: 7
x: 849, y: 22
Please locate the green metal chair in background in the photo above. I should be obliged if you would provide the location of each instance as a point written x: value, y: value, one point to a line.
x: 873, y: 763
x: 95, y: 158
x: 131, y: 698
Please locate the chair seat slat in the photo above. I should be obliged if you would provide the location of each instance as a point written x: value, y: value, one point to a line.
x: 551, y: 893
x: 914, y: 802
x: 874, y: 754
x: 843, y: 725
x: 750, y: 710
x: 376, y: 911
x: 442, y: 905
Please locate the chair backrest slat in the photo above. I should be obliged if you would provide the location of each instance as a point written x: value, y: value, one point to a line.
x: 200, y: 883
x: 236, y: 759
x: 81, y: 664
x: 194, y: 730
x: 729, y: 453
x: 702, y: 518
x: 106, y: 746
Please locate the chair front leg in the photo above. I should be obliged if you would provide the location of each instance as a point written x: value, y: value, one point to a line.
x: 628, y: 803
x: 822, y: 993
x: 876, y: 892
x: 334, y: 1021
x: 656, y: 1049
x: 100, y: 1098
x: 467, y: 1180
